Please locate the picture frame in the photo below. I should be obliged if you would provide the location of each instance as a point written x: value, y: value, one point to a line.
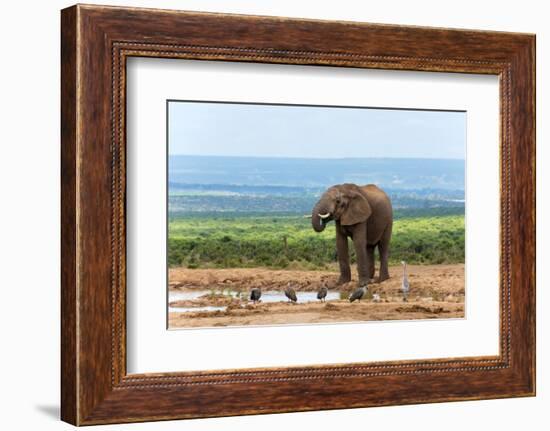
x: 96, y: 42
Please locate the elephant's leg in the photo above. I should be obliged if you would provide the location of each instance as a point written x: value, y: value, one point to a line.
x: 370, y: 260
x: 384, y: 250
x: 360, y: 243
x: 343, y: 256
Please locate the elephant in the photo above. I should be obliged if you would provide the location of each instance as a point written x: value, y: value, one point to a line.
x: 363, y: 213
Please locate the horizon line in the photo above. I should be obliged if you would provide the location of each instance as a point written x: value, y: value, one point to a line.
x: 314, y: 157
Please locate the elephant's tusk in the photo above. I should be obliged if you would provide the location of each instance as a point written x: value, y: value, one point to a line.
x: 324, y: 216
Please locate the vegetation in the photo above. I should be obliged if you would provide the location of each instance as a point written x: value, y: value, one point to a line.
x: 244, y: 200
x: 220, y: 240
x: 227, y: 212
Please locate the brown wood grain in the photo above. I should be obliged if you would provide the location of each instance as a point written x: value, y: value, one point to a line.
x: 69, y: 367
x: 96, y: 41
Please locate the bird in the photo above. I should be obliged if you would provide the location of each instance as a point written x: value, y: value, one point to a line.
x: 358, y: 294
x: 322, y: 293
x: 255, y: 294
x: 290, y: 293
x: 405, y: 282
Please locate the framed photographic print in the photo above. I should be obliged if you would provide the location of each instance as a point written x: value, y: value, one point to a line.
x: 324, y: 214
x: 240, y: 178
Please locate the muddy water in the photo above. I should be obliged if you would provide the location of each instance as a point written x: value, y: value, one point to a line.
x: 269, y: 296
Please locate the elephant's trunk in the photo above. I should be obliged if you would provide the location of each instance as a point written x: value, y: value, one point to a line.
x: 319, y: 216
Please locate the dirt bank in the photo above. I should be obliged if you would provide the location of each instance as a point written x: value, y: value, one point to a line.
x: 330, y: 312
x: 436, y: 291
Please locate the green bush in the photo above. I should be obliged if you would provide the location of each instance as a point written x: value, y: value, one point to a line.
x: 290, y: 242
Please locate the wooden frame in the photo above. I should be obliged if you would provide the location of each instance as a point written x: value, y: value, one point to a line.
x: 96, y: 41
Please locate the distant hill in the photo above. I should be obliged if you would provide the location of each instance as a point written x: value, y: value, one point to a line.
x: 299, y: 173
x: 246, y: 185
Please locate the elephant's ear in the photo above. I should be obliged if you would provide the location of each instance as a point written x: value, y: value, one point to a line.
x: 358, y: 209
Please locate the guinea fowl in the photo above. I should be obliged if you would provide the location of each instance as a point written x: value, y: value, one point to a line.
x: 322, y: 293
x: 290, y: 293
x: 405, y: 287
x: 358, y: 294
x: 255, y: 294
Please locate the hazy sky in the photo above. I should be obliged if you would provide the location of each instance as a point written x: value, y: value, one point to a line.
x: 221, y: 129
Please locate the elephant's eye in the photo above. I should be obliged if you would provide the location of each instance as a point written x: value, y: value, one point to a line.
x: 338, y: 201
